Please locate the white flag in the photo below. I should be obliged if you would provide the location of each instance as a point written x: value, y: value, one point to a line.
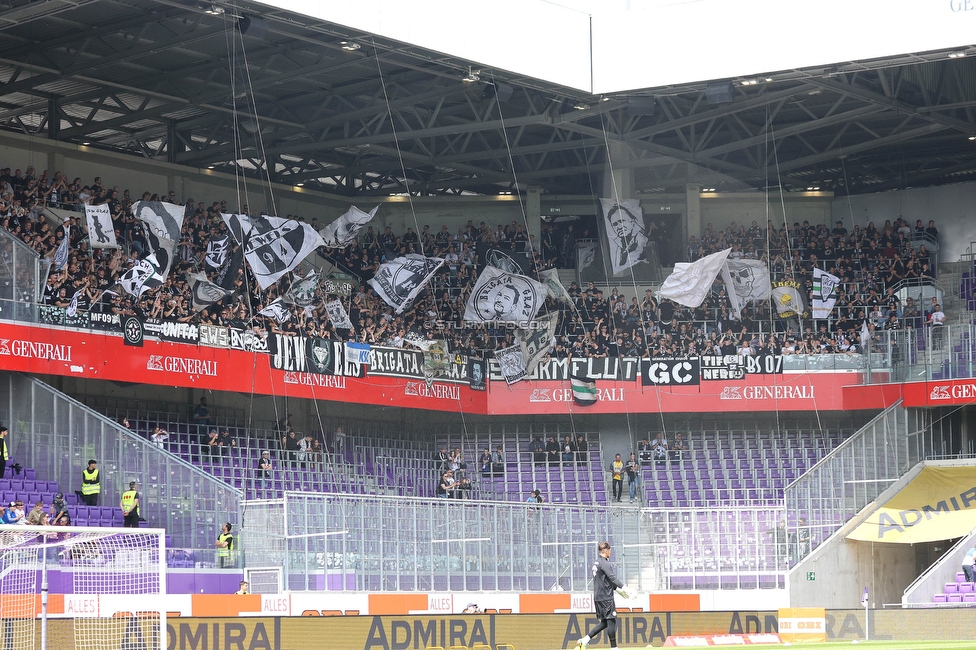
x: 277, y: 310
x: 418, y: 340
x: 536, y: 341
x: 689, y: 283
x: 61, y: 255
x: 344, y: 230
x: 101, y: 232
x: 788, y: 299
x: 585, y: 255
x: 550, y: 278
x: 146, y: 274
x: 824, y: 293
x: 399, y: 281
x: 625, y: 233
x: 865, y: 336
x: 337, y: 314
x: 272, y: 246
x: 504, y: 297
x: 217, y: 252
x: 72, y: 310
x: 512, y: 364
x: 203, y: 292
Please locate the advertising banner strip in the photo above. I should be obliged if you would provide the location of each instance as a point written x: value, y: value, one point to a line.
x: 938, y: 504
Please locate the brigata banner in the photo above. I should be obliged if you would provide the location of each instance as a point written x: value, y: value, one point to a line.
x: 395, y: 377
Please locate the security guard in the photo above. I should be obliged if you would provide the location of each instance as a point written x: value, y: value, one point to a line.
x: 225, y: 547
x: 91, y: 485
x: 130, y: 506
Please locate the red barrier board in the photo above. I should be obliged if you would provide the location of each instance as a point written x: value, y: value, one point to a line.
x: 947, y: 392
x: 67, y: 352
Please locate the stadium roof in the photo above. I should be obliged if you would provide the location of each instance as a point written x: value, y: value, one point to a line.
x: 176, y: 80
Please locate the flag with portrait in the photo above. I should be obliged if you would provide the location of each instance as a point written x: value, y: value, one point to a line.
x: 101, y: 232
x: 626, y: 235
x: 399, y: 281
x: 504, y: 297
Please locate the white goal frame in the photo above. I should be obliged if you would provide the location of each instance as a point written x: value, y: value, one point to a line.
x: 101, y: 565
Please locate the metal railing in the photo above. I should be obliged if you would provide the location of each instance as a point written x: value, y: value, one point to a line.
x: 381, y: 543
x: 57, y: 435
x: 22, y: 272
x: 849, y: 478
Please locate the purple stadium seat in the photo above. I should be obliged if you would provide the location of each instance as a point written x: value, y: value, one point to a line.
x: 969, y: 598
x: 939, y: 598
x: 960, y: 576
x: 952, y: 588
x: 965, y: 587
x: 954, y: 598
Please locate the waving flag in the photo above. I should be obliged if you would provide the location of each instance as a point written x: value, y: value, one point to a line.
x: 824, y: 293
x: 277, y: 310
x: 399, y: 281
x: 203, y: 292
x: 217, y: 252
x: 344, y: 230
x: 337, y: 314
x: 584, y: 391
x: 550, y: 278
x: 690, y: 283
x: 504, y: 297
x: 272, y: 246
x: 536, y: 341
x: 747, y: 281
x: 146, y: 274
x: 512, y: 364
x: 61, y: 255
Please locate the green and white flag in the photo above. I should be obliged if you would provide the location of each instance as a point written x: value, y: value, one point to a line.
x: 584, y: 391
x: 824, y: 293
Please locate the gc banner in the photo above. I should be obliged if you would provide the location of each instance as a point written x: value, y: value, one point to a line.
x: 668, y: 372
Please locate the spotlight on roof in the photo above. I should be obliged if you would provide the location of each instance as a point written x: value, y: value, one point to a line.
x: 349, y: 46
x: 958, y: 54
x: 472, y: 76
x: 580, y: 106
x: 972, y: 137
x: 214, y: 10
x: 749, y: 82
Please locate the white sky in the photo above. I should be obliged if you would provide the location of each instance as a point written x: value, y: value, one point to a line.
x: 615, y: 46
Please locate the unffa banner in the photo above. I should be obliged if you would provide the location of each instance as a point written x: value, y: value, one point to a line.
x: 938, y: 504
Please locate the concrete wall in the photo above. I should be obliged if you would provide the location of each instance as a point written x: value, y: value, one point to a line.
x: 721, y: 210
x: 843, y: 568
x: 952, y: 206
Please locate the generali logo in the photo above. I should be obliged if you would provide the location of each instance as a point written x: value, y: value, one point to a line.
x: 730, y: 392
x: 181, y: 365
x: 940, y: 392
x: 35, y: 350
x: 540, y: 395
x: 767, y: 392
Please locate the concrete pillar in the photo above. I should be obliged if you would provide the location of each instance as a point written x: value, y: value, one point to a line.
x: 693, y: 221
x: 618, y: 177
x: 533, y: 212
x: 55, y: 162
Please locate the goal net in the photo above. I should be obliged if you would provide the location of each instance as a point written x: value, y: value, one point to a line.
x: 79, y: 588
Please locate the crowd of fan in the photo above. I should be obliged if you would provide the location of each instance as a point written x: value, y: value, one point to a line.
x: 868, y: 261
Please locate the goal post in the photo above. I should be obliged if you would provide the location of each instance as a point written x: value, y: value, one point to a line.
x: 82, y: 588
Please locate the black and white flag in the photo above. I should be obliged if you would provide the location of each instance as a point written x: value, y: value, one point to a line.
x: 625, y: 233
x: 272, y: 246
x: 536, y: 341
x: 203, y: 292
x: 747, y: 281
x: 302, y: 291
x: 163, y: 222
x: 277, y: 310
x: 72, y: 310
x: 217, y: 252
x: 337, y: 314
x: 61, y: 255
x: 398, y: 282
x: 101, y: 232
x: 504, y: 297
x: 512, y: 364
x: 824, y: 293
x: 550, y: 278
x: 344, y: 230
x: 146, y: 274
x: 418, y: 340
x: 585, y: 255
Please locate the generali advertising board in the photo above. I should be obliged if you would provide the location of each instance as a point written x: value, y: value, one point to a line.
x: 650, y: 386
